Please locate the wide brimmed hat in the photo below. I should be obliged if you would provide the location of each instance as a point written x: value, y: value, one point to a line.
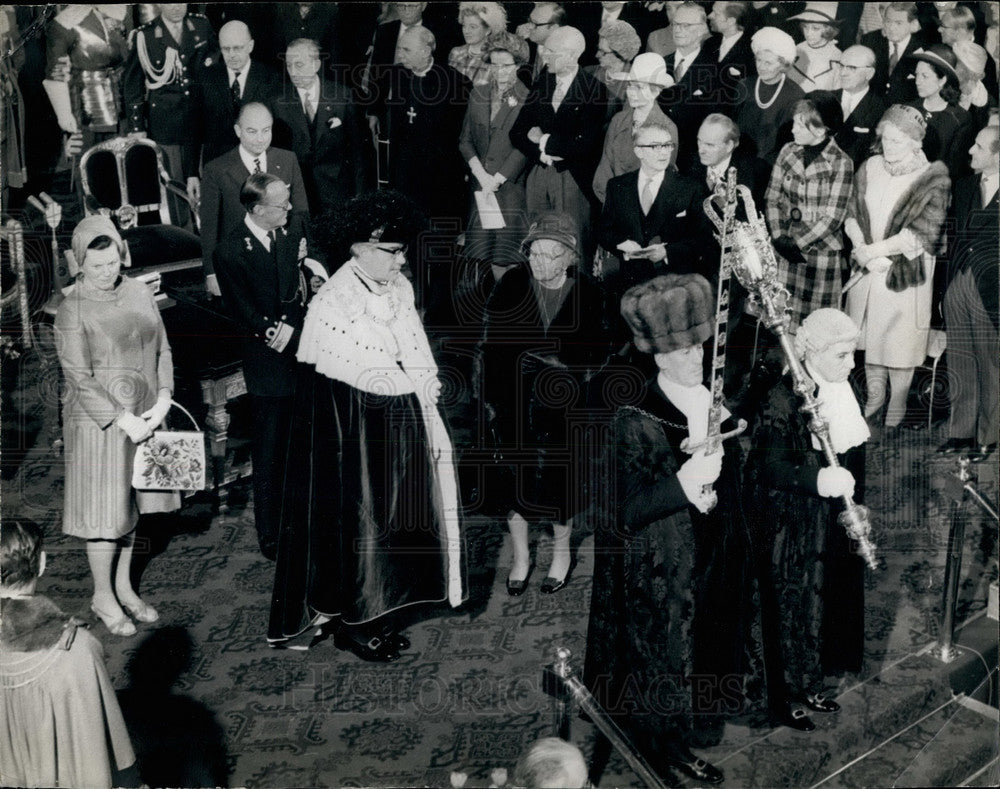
x: 774, y: 40
x: 941, y: 56
x: 825, y: 13
x: 670, y: 312
x: 555, y: 225
x: 649, y: 68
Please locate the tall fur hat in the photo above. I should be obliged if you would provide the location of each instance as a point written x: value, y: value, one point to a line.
x: 670, y: 312
x: 379, y: 217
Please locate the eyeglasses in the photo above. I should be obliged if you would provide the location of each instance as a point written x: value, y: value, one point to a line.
x: 618, y: 55
x: 286, y: 206
x: 544, y: 257
x: 392, y: 249
x: 656, y: 146
x: 849, y: 67
x: 539, y: 24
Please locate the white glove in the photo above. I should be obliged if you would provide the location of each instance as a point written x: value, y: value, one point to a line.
x: 835, y: 481
x: 58, y: 93
x: 137, y: 429
x: 154, y: 416
x: 212, y: 285
x: 695, y: 474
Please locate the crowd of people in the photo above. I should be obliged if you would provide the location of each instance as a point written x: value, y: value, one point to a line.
x: 534, y: 176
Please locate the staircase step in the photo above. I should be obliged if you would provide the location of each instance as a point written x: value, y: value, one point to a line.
x: 942, y: 749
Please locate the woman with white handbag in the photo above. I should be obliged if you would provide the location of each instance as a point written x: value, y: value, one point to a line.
x: 119, y: 379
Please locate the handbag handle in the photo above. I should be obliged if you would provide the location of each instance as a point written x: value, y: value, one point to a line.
x: 186, y: 412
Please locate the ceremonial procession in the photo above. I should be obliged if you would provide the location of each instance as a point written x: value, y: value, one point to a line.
x: 500, y: 394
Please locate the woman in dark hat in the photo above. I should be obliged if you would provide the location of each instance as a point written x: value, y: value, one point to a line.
x: 807, y: 200
x: 370, y: 523
x: 544, y: 339
x: 938, y: 93
x: 671, y: 581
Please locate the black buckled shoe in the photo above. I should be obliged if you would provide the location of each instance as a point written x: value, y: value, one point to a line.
x: 396, y: 640
x: 954, y: 446
x: 817, y: 702
x: 698, y: 769
x: 980, y: 453
x: 374, y: 650
x: 794, y: 719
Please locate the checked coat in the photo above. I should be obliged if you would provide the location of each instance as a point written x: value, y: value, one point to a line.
x: 809, y: 204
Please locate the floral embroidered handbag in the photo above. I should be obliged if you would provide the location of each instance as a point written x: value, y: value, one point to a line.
x: 171, y: 459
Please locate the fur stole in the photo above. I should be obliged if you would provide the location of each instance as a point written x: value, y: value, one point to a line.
x: 921, y: 209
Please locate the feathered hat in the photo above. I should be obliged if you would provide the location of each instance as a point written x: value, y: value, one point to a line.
x: 669, y: 312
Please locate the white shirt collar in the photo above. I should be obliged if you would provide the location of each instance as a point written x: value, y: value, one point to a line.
x: 991, y: 181
x: 566, y: 79
x: 242, y: 79
x: 721, y: 168
x: 656, y: 179
x: 248, y: 159
x: 259, y: 233
x: 312, y: 92
x: 902, y: 45
x: 686, y: 59
x: 852, y: 100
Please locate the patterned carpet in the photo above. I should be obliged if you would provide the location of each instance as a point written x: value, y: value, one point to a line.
x: 209, y: 703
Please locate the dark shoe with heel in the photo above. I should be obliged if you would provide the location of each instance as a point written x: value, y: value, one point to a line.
x: 517, y: 588
x: 552, y: 585
x: 794, y: 719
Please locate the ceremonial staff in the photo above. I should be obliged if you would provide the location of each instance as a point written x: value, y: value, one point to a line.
x: 747, y: 253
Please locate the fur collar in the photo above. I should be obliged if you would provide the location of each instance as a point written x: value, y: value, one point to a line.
x: 29, y: 624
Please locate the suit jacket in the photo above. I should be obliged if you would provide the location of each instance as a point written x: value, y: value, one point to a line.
x: 575, y: 131
x: 489, y: 139
x: 674, y: 219
x: 899, y: 86
x: 738, y: 64
x: 692, y: 99
x: 259, y: 288
x: 332, y: 150
x: 973, y: 242
x: 221, y: 209
x: 167, y: 114
x: 215, y: 106
x: 857, y: 135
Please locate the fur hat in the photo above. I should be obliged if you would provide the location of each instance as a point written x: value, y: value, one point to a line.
x: 503, y: 41
x: 771, y: 39
x: 622, y: 39
x: 670, y: 312
x: 383, y: 216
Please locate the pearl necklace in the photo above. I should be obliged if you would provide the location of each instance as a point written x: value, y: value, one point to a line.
x: 756, y: 93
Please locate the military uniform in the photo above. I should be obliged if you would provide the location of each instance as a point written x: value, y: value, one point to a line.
x: 85, y: 48
x: 158, y: 85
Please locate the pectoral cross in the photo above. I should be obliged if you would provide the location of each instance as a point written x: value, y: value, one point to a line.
x: 411, y: 114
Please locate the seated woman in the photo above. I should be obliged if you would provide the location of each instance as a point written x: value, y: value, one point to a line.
x: 62, y: 723
x: 803, y: 556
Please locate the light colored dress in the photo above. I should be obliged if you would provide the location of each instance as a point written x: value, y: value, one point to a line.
x: 894, y: 325
x: 115, y: 356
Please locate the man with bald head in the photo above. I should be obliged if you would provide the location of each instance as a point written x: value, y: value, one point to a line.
x: 226, y: 85
x: 221, y: 209
x: 560, y: 130
x: 862, y: 106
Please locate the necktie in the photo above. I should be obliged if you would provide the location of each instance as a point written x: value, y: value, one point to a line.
x: 712, y: 178
x: 679, y: 68
x: 256, y: 165
x: 647, y: 196
x: 985, y: 191
x: 894, y: 56
x: 308, y: 107
x: 272, y: 237
x: 558, y: 95
x: 234, y: 90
